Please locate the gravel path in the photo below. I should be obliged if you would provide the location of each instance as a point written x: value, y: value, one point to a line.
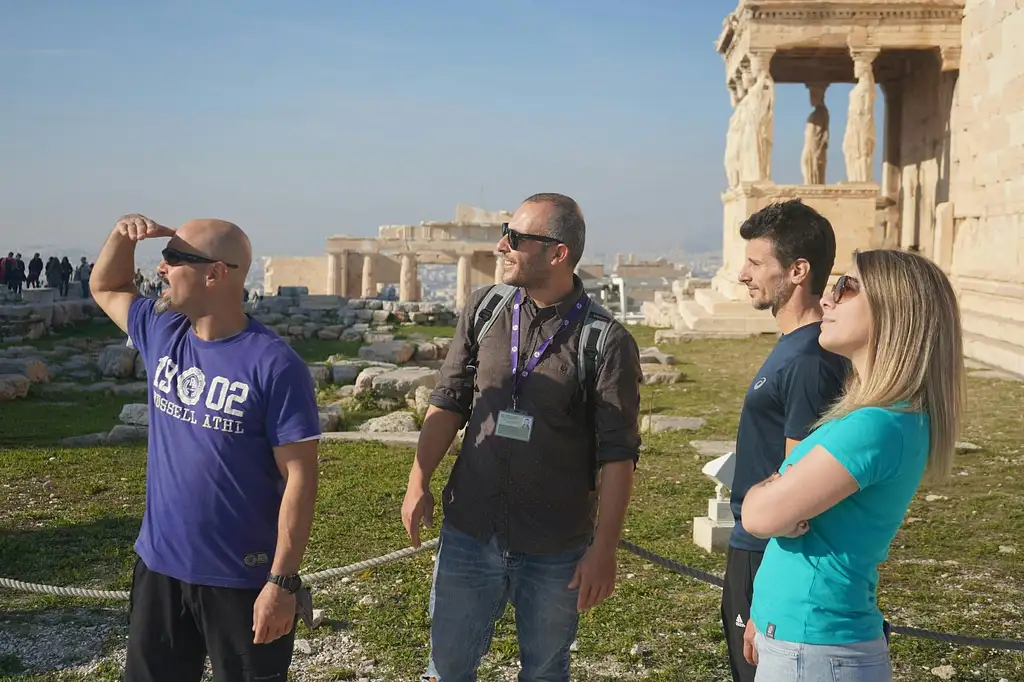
x: 81, y: 642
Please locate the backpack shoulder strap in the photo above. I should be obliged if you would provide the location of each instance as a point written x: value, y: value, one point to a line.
x: 596, y: 323
x: 495, y: 299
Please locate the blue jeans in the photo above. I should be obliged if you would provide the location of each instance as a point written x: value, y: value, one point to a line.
x: 779, y: 661
x: 473, y: 582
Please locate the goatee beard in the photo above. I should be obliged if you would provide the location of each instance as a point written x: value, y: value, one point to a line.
x: 163, y: 304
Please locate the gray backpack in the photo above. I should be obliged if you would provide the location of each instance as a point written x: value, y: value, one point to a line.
x: 596, y: 323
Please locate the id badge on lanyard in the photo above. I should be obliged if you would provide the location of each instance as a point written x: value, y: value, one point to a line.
x: 517, y: 424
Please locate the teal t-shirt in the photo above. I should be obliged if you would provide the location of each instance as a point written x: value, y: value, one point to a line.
x: 819, y: 588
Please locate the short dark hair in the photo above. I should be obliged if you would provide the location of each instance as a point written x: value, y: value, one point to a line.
x: 796, y: 231
x: 567, y: 224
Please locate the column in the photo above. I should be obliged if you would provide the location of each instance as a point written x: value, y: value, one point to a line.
x: 343, y: 289
x: 622, y: 300
x: 760, y: 118
x: 407, y: 278
x: 499, y: 268
x: 859, y: 141
x: 815, y: 154
x: 333, y: 267
x: 369, y: 286
x: 732, y: 136
x: 463, y: 282
x: 892, y: 92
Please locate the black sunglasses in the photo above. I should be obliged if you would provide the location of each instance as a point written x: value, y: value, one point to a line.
x: 845, y: 284
x: 515, y: 237
x: 174, y: 257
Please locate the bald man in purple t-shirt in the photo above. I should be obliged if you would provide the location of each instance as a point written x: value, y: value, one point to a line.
x: 231, y: 476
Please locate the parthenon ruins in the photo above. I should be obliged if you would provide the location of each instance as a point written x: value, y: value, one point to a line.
x: 952, y: 182
x: 355, y: 267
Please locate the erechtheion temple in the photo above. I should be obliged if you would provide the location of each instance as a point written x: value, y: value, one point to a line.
x: 952, y: 181
x: 356, y: 267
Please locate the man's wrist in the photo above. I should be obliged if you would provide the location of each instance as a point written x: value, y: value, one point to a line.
x: 603, y: 543
x: 290, y: 583
x: 419, y: 479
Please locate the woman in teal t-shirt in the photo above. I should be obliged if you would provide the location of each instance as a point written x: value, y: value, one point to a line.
x: 841, y: 494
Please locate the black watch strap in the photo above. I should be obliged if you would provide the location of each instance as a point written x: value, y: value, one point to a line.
x: 290, y: 583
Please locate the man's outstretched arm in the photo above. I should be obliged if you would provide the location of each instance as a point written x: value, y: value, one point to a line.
x: 112, y: 282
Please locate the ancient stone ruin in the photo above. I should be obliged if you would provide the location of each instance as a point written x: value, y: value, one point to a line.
x: 947, y: 190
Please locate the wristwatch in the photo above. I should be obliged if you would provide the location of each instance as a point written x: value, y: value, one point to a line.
x: 290, y: 583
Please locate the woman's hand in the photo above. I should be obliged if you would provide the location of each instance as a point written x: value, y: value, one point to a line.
x: 749, y: 650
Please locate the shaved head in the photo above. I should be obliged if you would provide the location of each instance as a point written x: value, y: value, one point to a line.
x: 220, y: 240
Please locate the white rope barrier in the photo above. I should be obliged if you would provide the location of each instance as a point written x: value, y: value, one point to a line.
x: 307, y: 579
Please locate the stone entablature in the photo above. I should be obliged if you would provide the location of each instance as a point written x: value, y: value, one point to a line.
x: 797, y: 28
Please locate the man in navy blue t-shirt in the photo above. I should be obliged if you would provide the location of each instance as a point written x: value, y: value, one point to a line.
x: 791, y: 249
x: 231, y: 476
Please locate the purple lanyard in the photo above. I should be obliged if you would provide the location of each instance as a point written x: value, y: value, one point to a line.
x: 519, y: 377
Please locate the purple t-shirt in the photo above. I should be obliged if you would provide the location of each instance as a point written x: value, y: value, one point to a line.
x: 216, y: 411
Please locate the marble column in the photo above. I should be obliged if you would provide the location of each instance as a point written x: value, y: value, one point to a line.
x: 759, y: 119
x: 859, y: 140
x: 369, y: 285
x: 499, y: 268
x: 463, y: 281
x: 343, y: 289
x: 732, y: 136
x: 407, y: 281
x: 333, y: 268
x: 892, y: 93
x: 815, y: 153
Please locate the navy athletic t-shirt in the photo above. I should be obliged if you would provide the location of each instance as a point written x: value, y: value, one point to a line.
x: 798, y: 381
x: 217, y: 409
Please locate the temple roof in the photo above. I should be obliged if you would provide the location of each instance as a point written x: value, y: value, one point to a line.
x: 810, y: 41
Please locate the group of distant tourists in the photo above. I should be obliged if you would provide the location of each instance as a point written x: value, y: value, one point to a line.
x: 860, y: 398
x: 58, y: 273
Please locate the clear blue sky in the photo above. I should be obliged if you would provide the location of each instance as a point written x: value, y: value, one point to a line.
x: 303, y: 119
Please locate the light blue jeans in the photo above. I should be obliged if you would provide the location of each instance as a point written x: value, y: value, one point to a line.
x: 779, y: 661
x: 474, y: 581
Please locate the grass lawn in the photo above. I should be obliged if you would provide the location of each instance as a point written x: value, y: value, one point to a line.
x: 69, y: 517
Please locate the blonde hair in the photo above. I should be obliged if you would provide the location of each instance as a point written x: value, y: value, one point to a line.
x: 915, y: 349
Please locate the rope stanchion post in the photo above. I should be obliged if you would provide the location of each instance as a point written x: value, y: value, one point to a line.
x: 669, y: 564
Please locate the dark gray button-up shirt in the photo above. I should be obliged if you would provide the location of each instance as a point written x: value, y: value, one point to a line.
x: 536, y: 496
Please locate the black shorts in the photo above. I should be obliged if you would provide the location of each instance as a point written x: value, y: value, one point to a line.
x: 740, y: 568
x: 174, y: 625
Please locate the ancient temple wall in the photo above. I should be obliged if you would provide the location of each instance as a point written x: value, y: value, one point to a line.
x: 924, y: 154
x: 298, y: 271
x: 988, y: 183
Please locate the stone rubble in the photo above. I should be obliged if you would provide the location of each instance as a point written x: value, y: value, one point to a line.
x: 80, y: 365
x: 295, y: 314
x: 34, y: 319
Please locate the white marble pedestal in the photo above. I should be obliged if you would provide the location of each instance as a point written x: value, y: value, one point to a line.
x: 712, y: 532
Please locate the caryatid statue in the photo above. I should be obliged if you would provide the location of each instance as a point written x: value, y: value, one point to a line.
x: 815, y: 154
x: 760, y: 110
x: 859, y: 141
x: 733, y: 137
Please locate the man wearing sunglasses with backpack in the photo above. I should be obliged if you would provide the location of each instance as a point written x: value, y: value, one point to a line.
x: 231, y: 475
x: 547, y: 384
